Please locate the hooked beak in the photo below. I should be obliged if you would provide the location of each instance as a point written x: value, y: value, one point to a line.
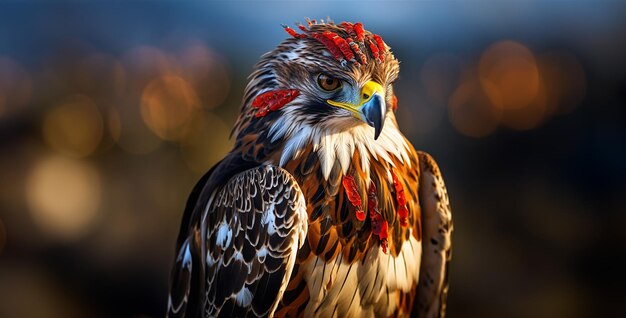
x: 371, y: 108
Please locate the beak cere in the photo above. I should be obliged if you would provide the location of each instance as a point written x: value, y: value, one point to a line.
x: 374, y: 112
x: 371, y: 108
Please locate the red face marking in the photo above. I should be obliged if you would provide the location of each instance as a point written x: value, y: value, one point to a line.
x: 352, y: 192
x: 273, y: 100
x: 402, y: 211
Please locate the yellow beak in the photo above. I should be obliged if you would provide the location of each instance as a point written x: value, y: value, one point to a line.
x: 371, y: 108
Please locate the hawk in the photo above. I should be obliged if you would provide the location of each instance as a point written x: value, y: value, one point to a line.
x: 322, y: 208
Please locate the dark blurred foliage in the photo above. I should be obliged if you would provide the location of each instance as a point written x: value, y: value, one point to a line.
x: 109, y: 113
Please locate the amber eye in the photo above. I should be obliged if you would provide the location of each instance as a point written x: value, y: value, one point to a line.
x: 328, y: 83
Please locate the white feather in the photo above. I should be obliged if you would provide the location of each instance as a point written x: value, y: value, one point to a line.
x: 243, y: 298
x: 332, y: 285
x: 294, y: 145
x: 224, y: 234
x: 327, y: 154
x: 269, y: 219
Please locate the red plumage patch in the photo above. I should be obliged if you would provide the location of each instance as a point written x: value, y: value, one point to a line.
x: 273, y: 100
x: 349, y: 28
x: 402, y: 211
x: 379, y: 224
x: 341, y: 44
x: 381, y: 47
x: 293, y: 33
x: 348, y: 48
x: 352, y: 192
x: 358, y: 29
x: 379, y: 228
x: 330, y: 45
x: 373, y: 49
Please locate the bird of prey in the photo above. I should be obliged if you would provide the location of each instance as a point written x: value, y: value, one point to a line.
x: 322, y: 208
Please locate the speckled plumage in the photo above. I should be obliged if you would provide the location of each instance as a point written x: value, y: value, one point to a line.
x: 271, y: 230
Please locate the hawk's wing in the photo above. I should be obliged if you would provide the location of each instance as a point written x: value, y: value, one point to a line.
x: 238, y: 256
x: 436, y: 240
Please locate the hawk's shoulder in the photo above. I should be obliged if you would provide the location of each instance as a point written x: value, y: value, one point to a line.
x: 436, y: 243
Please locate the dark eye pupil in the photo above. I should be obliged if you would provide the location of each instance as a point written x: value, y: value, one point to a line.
x: 328, y: 83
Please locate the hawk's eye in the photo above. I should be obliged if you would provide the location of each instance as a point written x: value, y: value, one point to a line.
x: 328, y: 83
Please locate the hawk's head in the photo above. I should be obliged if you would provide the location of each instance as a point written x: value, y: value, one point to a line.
x: 326, y: 80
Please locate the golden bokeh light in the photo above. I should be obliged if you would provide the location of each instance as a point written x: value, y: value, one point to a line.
x: 63, y: 196
x: 206, y: 141
x: 511, y: 68
x: 528, y: 117
x: 207, y: 72
x: 15, y: 85
x: 167, y: 104
x: 474, y: 109
x: 74, y: 126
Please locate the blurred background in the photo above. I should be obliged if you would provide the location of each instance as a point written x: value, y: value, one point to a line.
x: 110, y: 112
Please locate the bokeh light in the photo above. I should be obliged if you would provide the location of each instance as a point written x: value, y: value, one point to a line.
x: 74, y: 127
x: 511, y: 72
x: 511, y: 68
x: 474, y: 112
x: 523, y: 90
x: 63, y: 196
x: 167, y: 104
